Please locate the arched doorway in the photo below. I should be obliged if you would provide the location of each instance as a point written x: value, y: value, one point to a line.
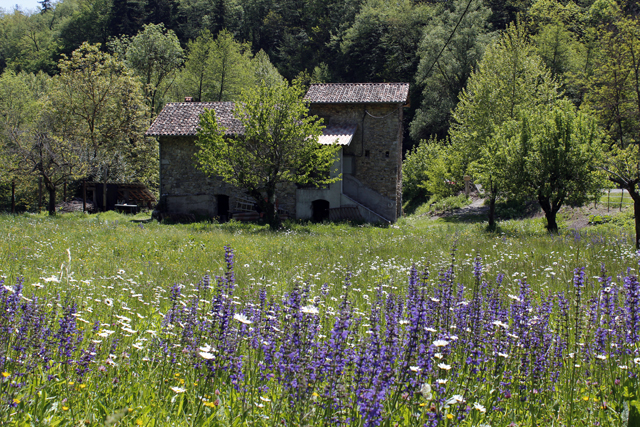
x: 223, y: 207
x: 319, y: 210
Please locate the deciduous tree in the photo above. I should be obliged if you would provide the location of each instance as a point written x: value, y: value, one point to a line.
x: 154, y: 54
x: 30, y: 146
x: 97, y: 103
x: 217, y: 69
x: 614, y: 97
x: 382, y: 43
x: 279, y: 145
x: 443, y: 72
x: 510, y: 79
x: 552, y: 153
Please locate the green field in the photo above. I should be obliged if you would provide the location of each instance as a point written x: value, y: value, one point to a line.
x: 142, y: 281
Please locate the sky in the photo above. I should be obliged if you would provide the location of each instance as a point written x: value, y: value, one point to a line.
x: 25, y: 5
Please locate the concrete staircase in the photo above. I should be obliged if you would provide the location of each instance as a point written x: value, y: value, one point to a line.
x: 381, y: 207
x: 366, y: 213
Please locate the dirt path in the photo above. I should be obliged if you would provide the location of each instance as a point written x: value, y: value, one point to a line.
x: 475, y: 209
x: 577, y: 218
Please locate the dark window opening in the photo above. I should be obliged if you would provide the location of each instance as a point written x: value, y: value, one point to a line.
x: 386, y: 154
x: 223, y: 208
x: 366, y: 153
x: 319, y: 210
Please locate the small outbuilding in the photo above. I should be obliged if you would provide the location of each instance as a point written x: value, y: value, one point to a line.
x: 365, y: 119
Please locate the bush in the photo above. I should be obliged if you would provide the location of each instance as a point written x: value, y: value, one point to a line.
x: 435, y: 205
x: 599, y: 219
x: 426, y: 172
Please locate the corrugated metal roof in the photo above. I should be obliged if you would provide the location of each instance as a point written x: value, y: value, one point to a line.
x: 182, y: 118
x: 356, y: 93
x: 337, y: 134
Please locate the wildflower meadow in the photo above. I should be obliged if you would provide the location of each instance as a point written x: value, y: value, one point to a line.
x: 105, y: 321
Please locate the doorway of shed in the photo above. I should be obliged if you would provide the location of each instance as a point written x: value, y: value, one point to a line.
x: 223, y: 207
x: 319, y: 210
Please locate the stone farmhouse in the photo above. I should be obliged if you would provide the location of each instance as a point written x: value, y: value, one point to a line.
x: 365, y: 119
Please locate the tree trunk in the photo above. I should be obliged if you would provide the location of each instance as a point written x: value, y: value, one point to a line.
x: 550, y: 210
x: 636, y: 214
x: 636, y: 211
x: 267, y: 206
x: 552, y: 225
x: 272, y: 217
x: 13, y: 197
x: 104, y: 196
x: 39, y: 194
x: 492, y: 212
x: 52, y: 201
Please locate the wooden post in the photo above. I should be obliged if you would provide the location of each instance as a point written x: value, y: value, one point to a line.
x: 65, y: 192
x: 39, y: 194
x: 621, y: 197
x: 13, y: 196
x: 84, y: 195
x: 608, y: 198
x: 467, y: 185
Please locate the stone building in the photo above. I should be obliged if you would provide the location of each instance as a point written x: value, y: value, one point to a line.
x: 364, y: 118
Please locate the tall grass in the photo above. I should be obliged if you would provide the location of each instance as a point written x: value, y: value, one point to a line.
x: 109, y: 320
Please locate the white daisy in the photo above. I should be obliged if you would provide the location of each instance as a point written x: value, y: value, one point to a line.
x: 426, y: 391
x: 242, y: 318
x: 501, y: 324
x: 309, y: 309
x: 479, y: 407
x: 456, y: 398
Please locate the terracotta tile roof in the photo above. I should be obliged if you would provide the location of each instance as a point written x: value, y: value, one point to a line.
x: 358, y: 93
x: 337, y: 134
x: 182, y: 118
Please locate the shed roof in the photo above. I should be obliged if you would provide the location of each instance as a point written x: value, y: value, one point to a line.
x: 358, y: 93
x: 182, y: 118
x: 337, y: 134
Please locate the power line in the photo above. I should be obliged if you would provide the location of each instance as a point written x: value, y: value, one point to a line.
x: 450, y: 37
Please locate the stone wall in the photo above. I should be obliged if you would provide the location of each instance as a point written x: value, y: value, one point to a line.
x: 186, y: 189
x: 376, y: 147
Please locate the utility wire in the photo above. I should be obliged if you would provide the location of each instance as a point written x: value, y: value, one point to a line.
x: 450, y: 37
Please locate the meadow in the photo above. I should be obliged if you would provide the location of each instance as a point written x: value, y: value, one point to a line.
x: 116, y: 320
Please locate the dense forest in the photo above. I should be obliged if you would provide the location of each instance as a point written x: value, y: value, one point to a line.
x: 212, y: 49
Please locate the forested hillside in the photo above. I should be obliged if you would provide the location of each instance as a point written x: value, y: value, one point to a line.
x: 212, y: 49
x: 329, y: 40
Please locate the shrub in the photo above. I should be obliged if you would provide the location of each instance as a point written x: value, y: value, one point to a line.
x: 427, y: 172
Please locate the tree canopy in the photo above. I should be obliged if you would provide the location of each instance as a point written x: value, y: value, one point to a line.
x: 154, y: 54
x: 442, y: 74
x: 97, y: 104
x: 510, y: 80
x: 551, y: 153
